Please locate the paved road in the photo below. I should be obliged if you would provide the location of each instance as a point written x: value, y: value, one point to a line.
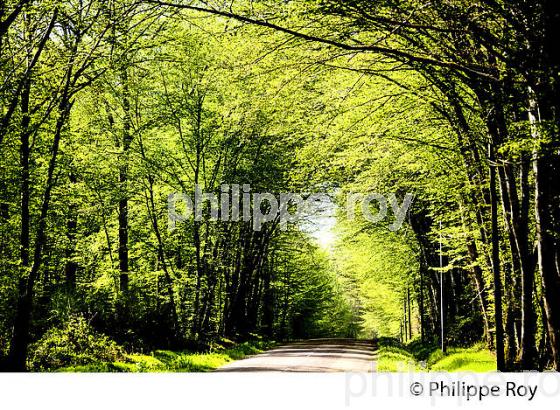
x: 318, y: 355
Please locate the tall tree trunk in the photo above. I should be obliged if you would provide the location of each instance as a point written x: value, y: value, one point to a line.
x: 498, y: 315
x: 152, y: 212
x: 421, y: 306
x: 123, y: 185
x: 528, y: 352
x: 268, y: 299
x: 409, y: 313
x: 544, y: 180
x: 545, y: 170
x: 512, y: 315
x: 512, y: 269
x: 405, y: 319
x: 71, y: 266
x: 25, y: 152
x: 478, y: 278
x: 17, y: 355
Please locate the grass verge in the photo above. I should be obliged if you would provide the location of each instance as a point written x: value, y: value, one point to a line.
x: 396, y: 357
x: 474, y: 359
x: 170, y: 361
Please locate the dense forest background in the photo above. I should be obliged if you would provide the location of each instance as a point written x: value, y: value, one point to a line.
x: 108, y: 107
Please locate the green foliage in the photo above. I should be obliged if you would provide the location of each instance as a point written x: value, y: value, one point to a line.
x: 475, y: 359
x: 170, y: 361
x: 416, y: 356
x: 376, y: 269
x: 75, y: 344
x: 107, y: 109
x: 393, y: 357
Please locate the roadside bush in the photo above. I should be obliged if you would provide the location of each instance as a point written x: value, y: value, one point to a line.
x: 75, y: 344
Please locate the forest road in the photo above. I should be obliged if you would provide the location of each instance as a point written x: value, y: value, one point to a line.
x: 316, y: 355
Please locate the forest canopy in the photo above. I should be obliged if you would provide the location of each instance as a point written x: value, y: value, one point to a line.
x: 109, y: 107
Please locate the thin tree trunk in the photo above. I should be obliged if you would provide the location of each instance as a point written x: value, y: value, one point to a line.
x: 409, y: 313
x: 478, y: 277
x: 17, y: 356
x: 405, y: 320
x: 71, y: 266
x: 421, y: 306
x: 123, y: 184
x: 268, y: 299
x: 25, y: 175
x: 162, y: 258
x: 528, y: 352
x: 498, y: 316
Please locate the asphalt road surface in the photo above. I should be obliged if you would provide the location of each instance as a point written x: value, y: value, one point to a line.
x: 317, y: 355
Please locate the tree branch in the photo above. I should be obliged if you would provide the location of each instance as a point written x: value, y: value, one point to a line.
x: 394, y: 53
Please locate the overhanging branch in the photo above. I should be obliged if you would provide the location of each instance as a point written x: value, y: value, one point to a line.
x: 394, y: 53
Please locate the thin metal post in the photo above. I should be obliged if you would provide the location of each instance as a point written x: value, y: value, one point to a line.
x: 441, y: 285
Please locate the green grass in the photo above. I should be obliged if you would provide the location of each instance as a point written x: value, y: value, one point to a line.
x: 170, y: 361
x: 474, y: 359
x: 395, y: 357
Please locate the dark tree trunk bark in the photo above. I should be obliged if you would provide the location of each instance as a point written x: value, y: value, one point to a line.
x: 268, y: 300
x: 25, y: 175
x: 405, y: 320
x: 545, y: 178
x: 528, y: 353
x: 547, y: 201
x: 17, y: 355
x: 409, y: 313
x: 512, y: 316
x: 123, y: 184
x: 478, y: 278
x: 421, y: 305
x: 498, y: 315
x: 161, y: 255
x: 71, y: 266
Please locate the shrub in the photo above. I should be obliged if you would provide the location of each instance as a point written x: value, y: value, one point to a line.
x: 75, y: 344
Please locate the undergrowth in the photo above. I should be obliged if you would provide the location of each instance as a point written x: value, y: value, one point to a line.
x: 77, y: 347
x: 416, y: 356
